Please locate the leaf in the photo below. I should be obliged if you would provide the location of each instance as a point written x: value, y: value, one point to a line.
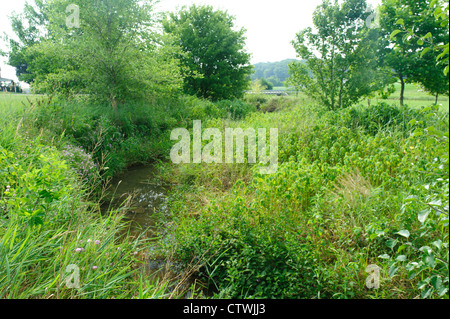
x: 404, y: 233
x: 428, y: 36
x: 424, y: 51
x: 394, y: 33
x: 418, y: 132
x: 401, y: 258
x: 426, y: 293
x: 436, y: 282
x: 402, y: 247
x: 393, y: 270
x: 400, y: 21
x: 391, y: 243
x: 435, y: 203
x: 420, y: 42
x: 429, y: 261
x: 423, y: 215
x: 437, y: 244
x: 426, y: 250
x: 410, y: 198
x: 412, y: 274
x: 384, y: 256
x: 421, y: 285
x: 442, y: 291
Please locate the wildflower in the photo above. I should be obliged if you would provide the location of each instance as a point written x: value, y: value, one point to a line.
x: 89, y: 240
x: 79, y: 249
x: 97, y: 242
x: 94, y: 267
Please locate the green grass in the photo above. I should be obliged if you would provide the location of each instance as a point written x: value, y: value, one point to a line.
x: 414, y: 97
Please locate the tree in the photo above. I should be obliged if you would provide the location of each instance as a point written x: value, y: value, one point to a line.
x: 215, y: 63
x: 274, y: 72
x: 265, y: 84
x: 113, y: 56
x: 28, y: 27
x: 341, y: 56
x: 429, y: 74
x: 404, y: 52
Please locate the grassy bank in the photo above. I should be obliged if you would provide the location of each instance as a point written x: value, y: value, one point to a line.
x: 56, y: 156
x: 50, y: 225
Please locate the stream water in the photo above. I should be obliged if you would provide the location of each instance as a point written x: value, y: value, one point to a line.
x: 148, y: 199
x: 148, y: 208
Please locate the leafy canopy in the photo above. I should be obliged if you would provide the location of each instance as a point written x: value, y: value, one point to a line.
x: 412, y: 37
x: 341, y: 55
x: 215, y: 63
x: 114, y: 55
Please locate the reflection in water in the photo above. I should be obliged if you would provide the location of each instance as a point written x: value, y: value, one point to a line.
x: 148, y: 199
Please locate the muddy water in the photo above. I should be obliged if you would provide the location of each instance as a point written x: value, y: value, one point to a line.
x: 147, y: 201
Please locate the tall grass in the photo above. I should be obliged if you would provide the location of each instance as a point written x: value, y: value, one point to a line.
x: 48, y: 222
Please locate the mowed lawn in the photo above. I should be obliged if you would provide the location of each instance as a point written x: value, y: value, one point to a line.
x: 415, y: 97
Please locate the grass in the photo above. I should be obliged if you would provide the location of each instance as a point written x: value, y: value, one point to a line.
x: 414, y: 97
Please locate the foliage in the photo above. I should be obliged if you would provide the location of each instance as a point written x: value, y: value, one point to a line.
x: 266, y: 85
x: 48, y: 224
x: 27, y: 26
x: 436, y: 38
x: 127, y: 64
x: 413, y: 60
x: 358, y: 186
x: 275, y: 72
x: 215, y: 64
x: 341, y: 59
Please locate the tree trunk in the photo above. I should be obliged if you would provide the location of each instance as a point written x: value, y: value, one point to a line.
x: 435, y: 102
x: 402, y: 89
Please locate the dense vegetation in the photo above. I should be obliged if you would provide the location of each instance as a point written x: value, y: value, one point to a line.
x: 354, y: 188
x: 359, y: 186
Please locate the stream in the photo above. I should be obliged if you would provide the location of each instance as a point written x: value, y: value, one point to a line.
x: 148, y: 201
x: 147, y: 214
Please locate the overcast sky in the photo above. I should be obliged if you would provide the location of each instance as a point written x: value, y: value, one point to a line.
x: 271, y: 25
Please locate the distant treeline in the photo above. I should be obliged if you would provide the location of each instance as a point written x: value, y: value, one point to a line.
x: 274, y: 72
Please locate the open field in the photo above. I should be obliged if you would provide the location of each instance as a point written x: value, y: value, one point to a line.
x: 414, y: 97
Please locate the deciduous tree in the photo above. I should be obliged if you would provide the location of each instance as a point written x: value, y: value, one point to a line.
x: 341, y: 55
x: 410, y: 30
x: 215, y: 63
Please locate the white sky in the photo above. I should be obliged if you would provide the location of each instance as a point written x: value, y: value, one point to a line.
x: 271, y: 25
